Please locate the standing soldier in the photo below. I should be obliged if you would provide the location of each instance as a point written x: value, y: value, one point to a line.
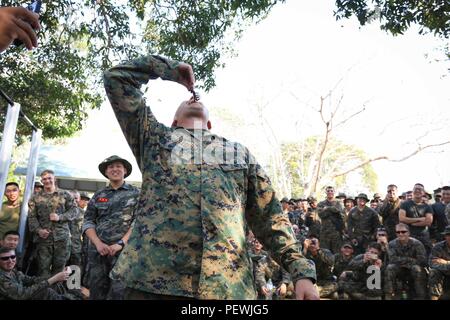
x: 418, y: 216
x: 389, y: 210
x: 312, y: 220
x: 332, y: 217
x: 440, y: 220
x: 76, y: 227
x: 362, y: 224
x: 50, y: 212
x: 107, y: 224
x: 195, y: 207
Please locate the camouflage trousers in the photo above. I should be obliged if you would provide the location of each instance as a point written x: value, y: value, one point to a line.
x: 327, y: 289
x: 133, y: 294
x: 101, y: 286
x: 436, y: 282
x: 417, y: 274
x: 331, y: 241
x: 52, y: 256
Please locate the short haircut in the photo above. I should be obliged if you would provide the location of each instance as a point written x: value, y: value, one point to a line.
x: 6, y: 250
x: 47, y: 171
x: 419, y: 184
x: 11, y: 232
x: 392, y: 186
x: 375, y: 245
x: 446, y: 188
x: 12, y: 183
x: 329, y: 187
x: 401, y: 224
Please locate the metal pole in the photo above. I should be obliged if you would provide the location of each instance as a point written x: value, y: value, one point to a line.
x: 9, y: 133
x: 29, y: 185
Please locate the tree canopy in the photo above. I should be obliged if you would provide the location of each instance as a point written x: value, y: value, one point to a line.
x: 58, y: 83
x: 396, y: 16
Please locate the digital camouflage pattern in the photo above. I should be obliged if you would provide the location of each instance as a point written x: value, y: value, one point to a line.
x: 111, y: 212
x: 192, y: 218
x: 53, y: 252
x: 355, y: 281
x: 439, y: 270
x: 332, y: 218
x: 15, y: 285
x: 340, y: 263
x: 324, y: 261
x: 410, y: 258
x: 75, y: 231
x: 362, y: 225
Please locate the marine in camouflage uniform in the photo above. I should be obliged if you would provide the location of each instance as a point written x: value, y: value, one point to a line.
x: 75, y: 231
x: 439, y: 262
x: 406, y: 258
x: 267, y: 269
x: 353, y: 281
x: 362, y: 224
x: 389, y: 212
x: 324, y: 261
x: 312, y: 221
x: 54, y: 251
x: 332, y: 217
x: 110, y: 213
x: 189, y: 235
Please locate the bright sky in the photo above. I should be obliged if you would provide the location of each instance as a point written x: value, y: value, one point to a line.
x: 300, y: 49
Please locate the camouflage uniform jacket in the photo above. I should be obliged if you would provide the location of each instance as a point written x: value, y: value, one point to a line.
x: 359, y: 268
x: 312, y: 221
x: 440, y: 251
x: 75, y: 230
x: 189, y: 233
x: 340, y: 263
x: 15, y: 285
x: 412, y: 253
x: 111, y: 211
x: 389, y: 212
x: 332, y: 217
x: 362, y: 224
x: 42, y: 204
x: 324, y: 261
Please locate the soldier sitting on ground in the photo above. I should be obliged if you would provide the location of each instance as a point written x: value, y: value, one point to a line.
x: 268, y: 271
x: 407, y: 257
x: 14, y: 285
x: 439, y: 279
x: 324, y: 261
x: 354, y: 281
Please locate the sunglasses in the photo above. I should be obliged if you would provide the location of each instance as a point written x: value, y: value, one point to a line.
x: 7, y: 258
x: 402, y: 231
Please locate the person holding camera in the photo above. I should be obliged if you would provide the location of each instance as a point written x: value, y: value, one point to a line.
x: 324, y: 261
x: 407, y: 257
x: 18, y: 23
x: 14, y: 285
x: 354, y: 280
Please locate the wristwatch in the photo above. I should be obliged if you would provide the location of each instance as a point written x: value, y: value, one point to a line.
x: 121, y: 243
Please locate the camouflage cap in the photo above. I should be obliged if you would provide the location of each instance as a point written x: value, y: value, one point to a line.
x: 102, y: 166
x: 347, y: 244
x: 84, y: 195
x: 311, y: 199
x: 285, y: 199
x: 376, y: 195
